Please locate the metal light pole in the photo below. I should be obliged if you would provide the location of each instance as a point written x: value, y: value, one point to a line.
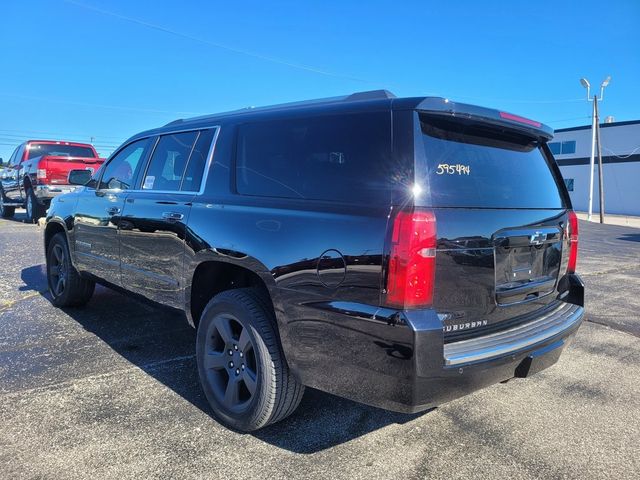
x: 600, y: 179
x: 595, y: 137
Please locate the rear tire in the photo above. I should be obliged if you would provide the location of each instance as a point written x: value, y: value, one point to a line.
x: 34, y: 209
x: 66, y: 286
x: 5, y: 212
x: 242, y: 369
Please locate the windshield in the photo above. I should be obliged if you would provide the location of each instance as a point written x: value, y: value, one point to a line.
x: 39, y: 149
x: 474, y: 165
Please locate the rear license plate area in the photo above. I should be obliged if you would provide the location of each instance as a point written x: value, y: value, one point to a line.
x: 526, y: 267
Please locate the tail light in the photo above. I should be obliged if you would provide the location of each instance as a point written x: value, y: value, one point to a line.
x: 572, y: 234
x: 412, y: 260
x: 41, y: 172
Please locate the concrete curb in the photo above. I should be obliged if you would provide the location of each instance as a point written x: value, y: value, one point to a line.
x: 622, y: 220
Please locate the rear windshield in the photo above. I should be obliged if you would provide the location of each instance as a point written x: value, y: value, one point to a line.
x: 471, y: 165
x: 39, y: 149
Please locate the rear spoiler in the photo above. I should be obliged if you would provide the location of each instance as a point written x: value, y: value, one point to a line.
x: 445, y: 107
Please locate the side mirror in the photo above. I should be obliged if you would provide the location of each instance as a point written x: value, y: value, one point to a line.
x: 79, y: 177
x: 1, y: 162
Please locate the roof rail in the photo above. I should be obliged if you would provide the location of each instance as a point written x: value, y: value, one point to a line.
x: 368, y: 95
x: 175, y: 122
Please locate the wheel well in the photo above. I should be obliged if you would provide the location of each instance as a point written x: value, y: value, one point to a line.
x: 26, y: 182
x: 211, y: 278
x: 50, y: 231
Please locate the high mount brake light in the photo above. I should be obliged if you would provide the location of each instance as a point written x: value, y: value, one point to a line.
x: 572, y: 233
x: 519, y: 119
x: 412, y: 260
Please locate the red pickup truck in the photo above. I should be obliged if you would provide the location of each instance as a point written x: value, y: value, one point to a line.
x: 37, y: 171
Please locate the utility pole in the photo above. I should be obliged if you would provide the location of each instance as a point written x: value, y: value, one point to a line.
x: 594, y: 115
x: 600, y: 179
x: 595, y: 138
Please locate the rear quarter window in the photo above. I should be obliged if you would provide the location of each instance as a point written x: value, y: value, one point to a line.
x: 476, y: 166
x: 343, y: 158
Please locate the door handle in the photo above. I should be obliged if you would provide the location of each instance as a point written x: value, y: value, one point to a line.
x: 113, y: 210
x: 172, y: 216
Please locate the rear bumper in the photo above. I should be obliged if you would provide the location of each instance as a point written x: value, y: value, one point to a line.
x: 47, y: 192
x: 473, y: 364
x: 513, y: 340
x: 399, y: 360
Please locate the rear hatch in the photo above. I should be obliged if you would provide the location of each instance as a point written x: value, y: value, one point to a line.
x: 501, y: 216
x: 58, y: 167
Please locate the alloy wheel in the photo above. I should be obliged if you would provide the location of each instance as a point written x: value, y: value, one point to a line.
x: 230, y: 363
x: 57, y: 270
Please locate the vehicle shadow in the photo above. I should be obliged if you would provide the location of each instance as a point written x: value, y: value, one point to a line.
x: 34, y: 279
x: 162, y: 344
x: 19, y: 217
x: 630, y: 237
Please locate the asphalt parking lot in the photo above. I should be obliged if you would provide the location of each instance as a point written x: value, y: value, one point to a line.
x: 111, y: 391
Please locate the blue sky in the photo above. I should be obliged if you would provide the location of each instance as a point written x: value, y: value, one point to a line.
x: 107, y: 69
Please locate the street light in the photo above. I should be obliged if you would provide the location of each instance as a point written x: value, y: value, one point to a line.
x: 604, y: 83
x: 595, y: 138
x: 585, y: 83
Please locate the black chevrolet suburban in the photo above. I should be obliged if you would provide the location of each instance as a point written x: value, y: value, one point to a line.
x: 400, y: 252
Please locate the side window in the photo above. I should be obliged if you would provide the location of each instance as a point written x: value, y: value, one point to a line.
x: 569, y: 184
x: 169, y: 161
x: 197, y: 162
x: 569, y: 147
x: 19, y: 155
x: 12, y: 160
x: 121, y: 170
x: 563, y: 148
x: 344, y: 158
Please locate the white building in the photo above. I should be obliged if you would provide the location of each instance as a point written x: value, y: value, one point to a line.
x: 621, y: 166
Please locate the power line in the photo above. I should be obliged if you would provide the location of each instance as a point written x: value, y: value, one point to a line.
x: 66, y: 138
x: 299, y: 66
x: 513, y: 100
x: 568, y: 119
x: 624, y: 155
x: 97, y: 105
x: 10, y: 131
x: 101, y: 145
x: 17, y: 141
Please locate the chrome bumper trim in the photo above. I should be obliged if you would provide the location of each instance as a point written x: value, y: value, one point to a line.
x: 46, y: 191
x: 514, y: 339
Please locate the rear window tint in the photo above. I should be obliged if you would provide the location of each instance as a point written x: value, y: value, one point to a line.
x: 473, y: 166
x: 61, y: 150
x: 345, y: 158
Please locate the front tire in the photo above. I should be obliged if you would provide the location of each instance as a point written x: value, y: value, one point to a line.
x: 66, y: 286
x: 242, y: 369
x: 33, y: 207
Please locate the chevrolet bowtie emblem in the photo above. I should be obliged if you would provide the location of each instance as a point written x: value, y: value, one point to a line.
x: 537, y: 238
